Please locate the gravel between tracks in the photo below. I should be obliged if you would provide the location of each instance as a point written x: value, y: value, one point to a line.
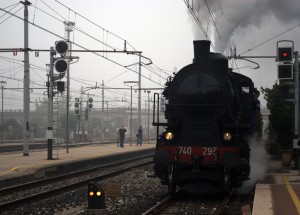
x: 138, y: 193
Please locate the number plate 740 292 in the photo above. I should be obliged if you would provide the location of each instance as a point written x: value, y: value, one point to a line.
x: 206, y: 151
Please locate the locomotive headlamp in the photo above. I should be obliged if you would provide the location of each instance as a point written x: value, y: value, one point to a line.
x: 227, y: 136
x: 98, y: 193
x: 169, y: 135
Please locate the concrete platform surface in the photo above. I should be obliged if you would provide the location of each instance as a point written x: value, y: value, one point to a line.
x: 279, y: 193
x: 14, y: 165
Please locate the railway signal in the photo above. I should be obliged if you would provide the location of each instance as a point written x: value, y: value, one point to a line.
x: 96, y: 196
x: 284, y: 54
x: 90, y: 103
x: 89, y: 106
x: 77, y: 105
x: 61, y: 64
x: 284, y: 57
x: 285, y: 71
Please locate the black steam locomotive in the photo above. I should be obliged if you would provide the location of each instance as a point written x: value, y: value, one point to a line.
x: 210, y: 111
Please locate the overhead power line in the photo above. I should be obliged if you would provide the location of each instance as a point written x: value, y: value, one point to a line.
x: 212, y: 18
x: 268, y: 40
x: 10, y: 15
x: 94, y: 23
x: 198, y: 22
x: 84, y: 48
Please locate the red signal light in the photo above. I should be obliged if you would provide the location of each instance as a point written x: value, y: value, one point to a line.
x: 284, y: 54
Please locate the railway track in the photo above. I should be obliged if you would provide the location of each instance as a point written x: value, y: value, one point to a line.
x: 182, y: 204
x: 15, y: 196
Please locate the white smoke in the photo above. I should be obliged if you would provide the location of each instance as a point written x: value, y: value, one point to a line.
x: 233, y: 17
x: 259, y: 165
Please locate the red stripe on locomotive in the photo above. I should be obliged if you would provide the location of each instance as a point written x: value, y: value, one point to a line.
x: 207, y: 155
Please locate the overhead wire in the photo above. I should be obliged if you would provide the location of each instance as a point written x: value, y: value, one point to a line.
x: 82, y: 32
x: 212, y: 19
x: 41, y: 10
x: 268, y: 40
x: 76, y: 28
x: 220, y: 7
x: 34, y: 12
x: 198, y: 22
x: 53, y: 10
x: 15, y: 5
x: 5, y: 70
x: 84, y: 48
x: 95, y: 24
x: 117, y: 76
x: 10, y: 15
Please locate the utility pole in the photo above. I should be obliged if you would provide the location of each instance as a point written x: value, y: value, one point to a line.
x: 86, y: 117
x: 26, y: 94
x: 102, y: 136
x: 148, y: 130
x: 139, y: 96
x: 131, y: 84
x: 2, y: 83
x: 50, y: 106
x: 80, y: 116
x: 68, y: 29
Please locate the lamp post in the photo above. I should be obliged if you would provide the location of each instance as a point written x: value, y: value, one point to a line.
x: 148, y: 116
x: 131, y: 84
x: 2, y: 83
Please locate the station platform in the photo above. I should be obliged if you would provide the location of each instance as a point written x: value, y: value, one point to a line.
x: 279, y: 192
x: 16, y: 168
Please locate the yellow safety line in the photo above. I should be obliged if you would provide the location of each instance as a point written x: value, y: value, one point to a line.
x: 292, y: 193
x: 13, y: 169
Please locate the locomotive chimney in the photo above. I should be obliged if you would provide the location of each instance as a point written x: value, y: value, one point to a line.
x: 201, y: 50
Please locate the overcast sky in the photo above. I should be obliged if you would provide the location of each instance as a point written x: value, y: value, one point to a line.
x: 163, y: 30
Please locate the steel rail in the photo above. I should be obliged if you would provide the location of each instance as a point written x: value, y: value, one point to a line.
x: 224, y: 203
x: 62, y: 189
x: 160, y: 205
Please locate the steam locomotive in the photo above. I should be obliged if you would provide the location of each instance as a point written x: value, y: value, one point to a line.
x: 209, y: 110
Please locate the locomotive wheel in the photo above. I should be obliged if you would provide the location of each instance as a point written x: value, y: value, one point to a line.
x: 171, y: 180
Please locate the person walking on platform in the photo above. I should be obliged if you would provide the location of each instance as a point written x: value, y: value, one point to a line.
x: 139, y: 136
x: 122, y: 131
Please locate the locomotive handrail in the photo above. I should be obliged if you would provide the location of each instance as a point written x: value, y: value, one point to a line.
x: 157, y: 123
x: 156, y: 95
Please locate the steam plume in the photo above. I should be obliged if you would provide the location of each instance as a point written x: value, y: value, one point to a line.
x: 234, y: 16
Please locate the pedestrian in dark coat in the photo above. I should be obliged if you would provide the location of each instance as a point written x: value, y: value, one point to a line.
x: 140, y: 136
x: 122, y: 131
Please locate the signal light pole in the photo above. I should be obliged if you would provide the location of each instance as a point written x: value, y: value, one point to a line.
x: 49, y: 133
x: 68, y: 29
x: 131, y: 84
x: 26, y: 94
x: 2, y: 83
x: 148, y: 130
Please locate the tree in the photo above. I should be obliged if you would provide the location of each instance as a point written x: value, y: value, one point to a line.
x: 280, y: 128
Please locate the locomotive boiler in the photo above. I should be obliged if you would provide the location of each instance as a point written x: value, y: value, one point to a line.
x: 209, y: 110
